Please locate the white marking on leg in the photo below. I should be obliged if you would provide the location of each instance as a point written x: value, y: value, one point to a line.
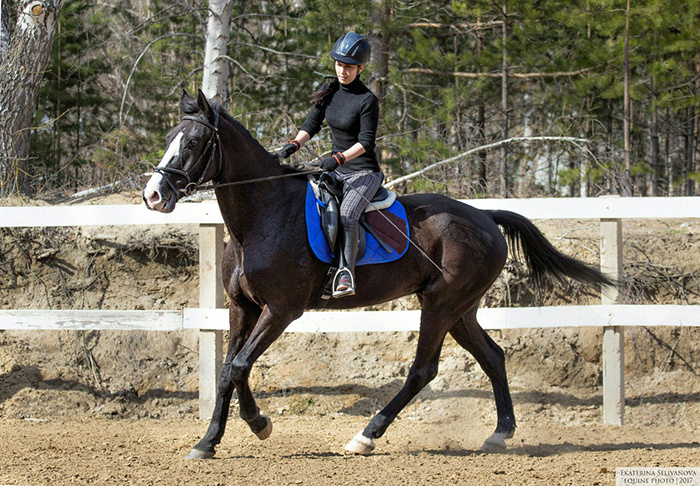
x: 199, y: 454
x: 495, y: 443
x: 360, y: 445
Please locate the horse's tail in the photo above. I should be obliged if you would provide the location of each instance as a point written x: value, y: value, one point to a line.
x: 541, y: 257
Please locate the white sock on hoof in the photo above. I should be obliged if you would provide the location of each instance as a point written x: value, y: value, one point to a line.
x: 360, y: 445
x: 200, y: 454
x: 495, y: 443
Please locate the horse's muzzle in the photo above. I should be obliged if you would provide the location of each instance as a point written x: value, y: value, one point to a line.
x: 158, y: 196
x: 155, y: 201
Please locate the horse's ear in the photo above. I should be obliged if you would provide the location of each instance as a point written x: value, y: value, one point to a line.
x: 185, y: 100
x: 204, y: 106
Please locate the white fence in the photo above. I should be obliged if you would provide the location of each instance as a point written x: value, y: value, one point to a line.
x: 211, y: 319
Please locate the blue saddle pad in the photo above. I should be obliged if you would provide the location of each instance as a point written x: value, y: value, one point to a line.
x: 374, y: 253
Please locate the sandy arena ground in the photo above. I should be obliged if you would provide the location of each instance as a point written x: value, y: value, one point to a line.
x: 308, y: 450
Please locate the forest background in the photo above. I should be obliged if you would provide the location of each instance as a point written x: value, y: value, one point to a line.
x: 621, y: 77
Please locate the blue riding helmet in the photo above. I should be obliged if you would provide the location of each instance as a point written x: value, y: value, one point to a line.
x: 352, y: 48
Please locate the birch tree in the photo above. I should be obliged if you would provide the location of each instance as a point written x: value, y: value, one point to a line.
x: 215, y: 80
x: 28, y: 49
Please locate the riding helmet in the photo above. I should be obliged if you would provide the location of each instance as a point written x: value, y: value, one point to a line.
x: 351, y: 48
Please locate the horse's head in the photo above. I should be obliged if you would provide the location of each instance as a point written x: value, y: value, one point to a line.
x: 192, y: 155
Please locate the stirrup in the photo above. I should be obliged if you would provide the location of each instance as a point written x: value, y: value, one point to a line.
x: 346, y: 292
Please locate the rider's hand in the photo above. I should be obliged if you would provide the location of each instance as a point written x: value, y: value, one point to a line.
x: 333, y: 162
x: 289, y: 149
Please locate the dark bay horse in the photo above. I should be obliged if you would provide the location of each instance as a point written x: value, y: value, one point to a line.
x: 272, y: 276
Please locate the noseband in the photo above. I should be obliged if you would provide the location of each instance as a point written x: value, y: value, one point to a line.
x: 214, y: 140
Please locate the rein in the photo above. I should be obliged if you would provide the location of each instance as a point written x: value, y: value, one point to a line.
x: 214, y: 140
x: 268, y: 178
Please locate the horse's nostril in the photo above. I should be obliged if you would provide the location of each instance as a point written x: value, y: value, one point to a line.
x: 153, y: 197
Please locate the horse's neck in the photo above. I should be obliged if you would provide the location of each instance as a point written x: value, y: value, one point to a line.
x: 250, y: 208
x: 244, y: 158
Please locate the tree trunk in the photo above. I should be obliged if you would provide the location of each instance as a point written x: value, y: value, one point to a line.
x: 379, y: 43
x: 504, y: 107
x: 215, y: 81
x: 480, y: 124
x: 612, y: 182
x: 690, y: 152
x: 656, y: 168
x: 21, y: 71
x: 627, y: 178
x: 380, y: 52
x: 670, y: 162
x: 656, y: 172
x: 4, y: 28
x: 583, y: 173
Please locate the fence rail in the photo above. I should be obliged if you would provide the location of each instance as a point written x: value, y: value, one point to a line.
x: 207, y: 212
x: 210, y: 319
x: 351, y: 321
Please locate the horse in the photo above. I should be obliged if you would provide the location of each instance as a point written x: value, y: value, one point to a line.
x: 272, y: 277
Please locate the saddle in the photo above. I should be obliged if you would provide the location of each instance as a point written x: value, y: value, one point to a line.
x: 384, y: 231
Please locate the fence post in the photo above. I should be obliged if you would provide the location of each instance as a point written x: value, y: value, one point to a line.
x: 613, y: 336
x: 211, y: 295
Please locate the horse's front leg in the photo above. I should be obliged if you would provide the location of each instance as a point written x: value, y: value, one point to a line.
x: 242, y: 318
x: 235, y: 373
x: 269, y: 327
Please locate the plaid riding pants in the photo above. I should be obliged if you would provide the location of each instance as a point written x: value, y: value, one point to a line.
x: 358, y: 190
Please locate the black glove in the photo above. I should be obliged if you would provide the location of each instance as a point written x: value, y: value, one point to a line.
x: 289, y: 149
x: 333, y: 162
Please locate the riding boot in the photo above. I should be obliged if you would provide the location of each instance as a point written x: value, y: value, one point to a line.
x: 344, y: 282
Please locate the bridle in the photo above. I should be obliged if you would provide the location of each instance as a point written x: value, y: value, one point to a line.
x: 214, y: 140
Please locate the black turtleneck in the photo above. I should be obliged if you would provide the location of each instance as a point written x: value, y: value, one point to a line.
x: 352, y: 115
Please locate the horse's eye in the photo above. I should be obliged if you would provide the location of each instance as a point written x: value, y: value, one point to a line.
x: 192, y: 143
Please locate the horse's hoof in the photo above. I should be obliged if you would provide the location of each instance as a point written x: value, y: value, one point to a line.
x: 267, y: 431
x: 495, y: 443
x: 200, y: 454
x: 360, y: 445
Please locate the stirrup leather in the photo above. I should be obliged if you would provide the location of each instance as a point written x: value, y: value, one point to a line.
x: 350, y: 290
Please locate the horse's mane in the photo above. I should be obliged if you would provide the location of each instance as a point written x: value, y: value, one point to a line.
x: 190, y: 107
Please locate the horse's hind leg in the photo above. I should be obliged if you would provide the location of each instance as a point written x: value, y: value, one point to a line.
x: 470, y: 335
x: 433, y: 329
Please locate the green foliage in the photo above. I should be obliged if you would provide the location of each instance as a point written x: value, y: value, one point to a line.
x: 572, y: 53
x: 69, y: 100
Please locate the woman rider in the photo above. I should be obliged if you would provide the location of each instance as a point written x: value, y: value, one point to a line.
x: 352, y: 113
